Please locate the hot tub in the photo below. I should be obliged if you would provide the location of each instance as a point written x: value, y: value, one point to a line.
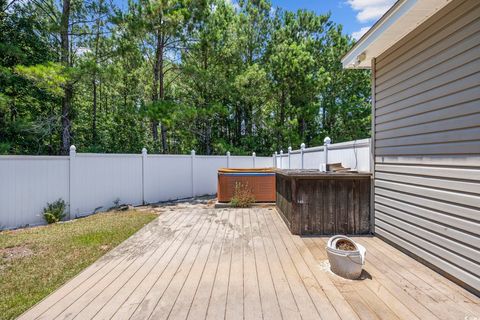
x: 324, y: 203
x: 261, y: 182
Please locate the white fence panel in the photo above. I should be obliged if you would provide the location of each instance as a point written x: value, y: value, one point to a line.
x: 241, y: 162
x: 92, y: 182
x: 27, y: 183
x: 295, y: 161
x: 282, y: 161
x: 167, y: 177
x: 263, y: 162
x: 354, y: 155
x: 313, y: 160
x: 205, y: 173
x: 97, y: 180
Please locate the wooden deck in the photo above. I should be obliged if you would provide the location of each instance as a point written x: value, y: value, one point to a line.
x: 244, y: 264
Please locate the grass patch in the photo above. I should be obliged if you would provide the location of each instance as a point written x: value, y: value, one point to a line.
x: 36, y: 261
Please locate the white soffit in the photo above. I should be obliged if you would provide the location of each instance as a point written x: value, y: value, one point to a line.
x: 401, y: 19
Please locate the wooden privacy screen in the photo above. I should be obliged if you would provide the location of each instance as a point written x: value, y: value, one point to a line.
x: 318, y: 203
x: 260, y: 181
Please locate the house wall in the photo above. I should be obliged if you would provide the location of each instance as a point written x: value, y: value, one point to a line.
x: 426, y: 141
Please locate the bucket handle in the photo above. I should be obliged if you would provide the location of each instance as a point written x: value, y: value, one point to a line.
x: 361, y: 263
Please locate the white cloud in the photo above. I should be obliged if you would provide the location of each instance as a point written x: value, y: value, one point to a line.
x: 370, y: 10
x: 359, y: 33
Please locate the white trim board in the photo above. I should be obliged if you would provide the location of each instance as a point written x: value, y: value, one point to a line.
x: 401, y: 19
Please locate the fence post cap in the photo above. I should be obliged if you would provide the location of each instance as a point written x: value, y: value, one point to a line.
x: 289, y: 149
x: 276, y: 152
x: 253, y: 154
x: 228, y: 153
x: 327, y: 140
x: 192, y: 152
x: 281, y: 151
x: 73, y: 150
x: 144, y: 151
x: 302, y: 146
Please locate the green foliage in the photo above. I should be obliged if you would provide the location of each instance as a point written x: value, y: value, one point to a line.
x: 173, y: 76
x: 56, y: 253
x: 55, y: 211
x: 49, y: 76
x: 242, y: 196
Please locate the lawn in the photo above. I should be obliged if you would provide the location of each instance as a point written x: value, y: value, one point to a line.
x: 36, y: 261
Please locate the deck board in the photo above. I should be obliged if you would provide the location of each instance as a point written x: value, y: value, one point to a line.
x: 388, y: 303
x: 113, y: 305
x: 218, y: 299
x: 421, y: 291
x: 251, y: 293
x: 286, y: 299
x: 63, y: 298
x: 403, y: 286
x: 155, y: 294
x: 183, y: 301
x: 306, y: 306
x: 205, y: 263
x: 235, y: 301
x: 442, y: 284
x: 314, y: 288
x: 268, y: 295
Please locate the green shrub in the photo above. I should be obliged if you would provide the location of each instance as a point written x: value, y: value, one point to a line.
x: 54, y: 211
x: 242, y: 196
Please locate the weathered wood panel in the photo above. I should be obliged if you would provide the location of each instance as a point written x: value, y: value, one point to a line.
x: 397, y: 286
x: 201, y: 263
x: 324, y: 204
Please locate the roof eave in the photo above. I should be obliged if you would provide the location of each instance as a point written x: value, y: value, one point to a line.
x: 398, y: 21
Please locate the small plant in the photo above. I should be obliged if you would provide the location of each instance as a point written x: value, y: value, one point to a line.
x: 54, y: 211
x: 242, y: 196
x: 116, y: 203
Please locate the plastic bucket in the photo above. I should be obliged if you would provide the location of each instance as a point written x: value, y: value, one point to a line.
x: 347, y: 264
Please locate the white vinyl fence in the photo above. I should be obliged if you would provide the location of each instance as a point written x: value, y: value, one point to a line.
x: 27, y: 184
x: 352, y: 154
x: 93, y: 182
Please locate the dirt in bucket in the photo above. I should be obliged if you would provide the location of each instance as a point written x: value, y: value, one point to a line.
x: 345, y: 245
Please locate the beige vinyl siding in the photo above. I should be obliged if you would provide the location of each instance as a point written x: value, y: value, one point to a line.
x: 427, y: 142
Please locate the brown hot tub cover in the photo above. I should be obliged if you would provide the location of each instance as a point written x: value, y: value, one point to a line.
x: 260, y: 180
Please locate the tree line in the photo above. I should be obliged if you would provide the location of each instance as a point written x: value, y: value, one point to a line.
x: 174, y: 75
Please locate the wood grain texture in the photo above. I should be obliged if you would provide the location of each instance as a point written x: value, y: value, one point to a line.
x: 205, y: 263
x: 328, y: 205
x: 395, y: 286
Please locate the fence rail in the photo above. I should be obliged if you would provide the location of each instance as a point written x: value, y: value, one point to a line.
x: 93, y: 182
x: 352, y: 154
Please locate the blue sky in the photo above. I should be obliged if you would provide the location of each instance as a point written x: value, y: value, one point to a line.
x: 357, y: 16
